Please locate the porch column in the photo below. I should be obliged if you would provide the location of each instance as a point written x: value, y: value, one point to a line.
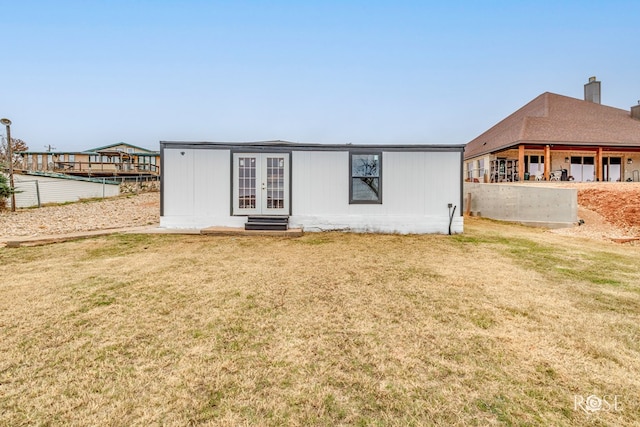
x: 599, y: 164
x: 521, y: 162
x: 547, y: 162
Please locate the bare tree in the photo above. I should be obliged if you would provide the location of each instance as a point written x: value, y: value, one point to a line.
x: 17, y: 145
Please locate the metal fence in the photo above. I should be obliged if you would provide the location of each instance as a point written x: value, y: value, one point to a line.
x: 39, y: 191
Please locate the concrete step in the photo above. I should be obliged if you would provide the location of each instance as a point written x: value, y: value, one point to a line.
x: 259, y: 222
x: 255, y: 225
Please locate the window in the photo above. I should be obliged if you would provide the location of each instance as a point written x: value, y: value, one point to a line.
x: 534, y: 165
x: 366, y: 178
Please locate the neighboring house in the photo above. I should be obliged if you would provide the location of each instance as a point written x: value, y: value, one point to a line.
x: 364, y: 188
x: 556, y: 137
x: 111, y: 160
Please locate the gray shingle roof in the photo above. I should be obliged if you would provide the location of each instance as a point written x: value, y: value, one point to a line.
x: 558, y: 119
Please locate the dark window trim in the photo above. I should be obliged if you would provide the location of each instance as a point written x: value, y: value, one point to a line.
x: 365, y: 202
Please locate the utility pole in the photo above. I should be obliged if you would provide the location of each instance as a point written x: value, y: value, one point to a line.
x: 7, y: 123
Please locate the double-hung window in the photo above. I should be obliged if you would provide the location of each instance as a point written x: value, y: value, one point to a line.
x: 366, y: 177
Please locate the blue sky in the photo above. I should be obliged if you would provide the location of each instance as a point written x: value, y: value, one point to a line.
x: 83, y: 74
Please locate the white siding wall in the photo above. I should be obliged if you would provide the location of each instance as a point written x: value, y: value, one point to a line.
x: 58, y: 190
x: 320, y: 183
x: 178, y: 184
x: 197, y: 189
x: 416, y: 188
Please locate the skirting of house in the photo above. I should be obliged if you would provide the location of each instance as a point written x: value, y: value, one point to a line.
x: 353, y: 223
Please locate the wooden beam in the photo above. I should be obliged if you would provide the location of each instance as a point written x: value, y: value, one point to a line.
x: 599, y: 173
x: 521, y: 162
x: 547, y: 162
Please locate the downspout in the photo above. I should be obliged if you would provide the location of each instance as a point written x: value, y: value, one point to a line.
x: 451, y: 214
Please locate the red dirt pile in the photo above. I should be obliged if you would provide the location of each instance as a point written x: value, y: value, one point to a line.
x: 618, y: 203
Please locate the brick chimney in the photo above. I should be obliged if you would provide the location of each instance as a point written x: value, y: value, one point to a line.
x: 592, y: 90
x: 635, y: 111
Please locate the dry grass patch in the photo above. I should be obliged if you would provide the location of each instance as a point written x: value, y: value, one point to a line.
x: 503, y: 325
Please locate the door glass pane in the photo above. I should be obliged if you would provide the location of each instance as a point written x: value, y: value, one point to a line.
x: 275, y: 183
x: 588, y: 171
x: 614, y: 173
x: 247, y: 183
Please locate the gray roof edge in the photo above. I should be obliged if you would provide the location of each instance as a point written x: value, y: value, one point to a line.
x: 310, y: 146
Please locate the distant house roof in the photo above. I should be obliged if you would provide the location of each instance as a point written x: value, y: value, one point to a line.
x: 558, y: 119
x: 110, y: 146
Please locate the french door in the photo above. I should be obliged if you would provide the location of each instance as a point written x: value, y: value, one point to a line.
x: 261, y: 183
x: 583, y: 168
x: 612, y: 169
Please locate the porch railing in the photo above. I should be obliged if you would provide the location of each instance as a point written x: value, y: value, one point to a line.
x: 91, y: 167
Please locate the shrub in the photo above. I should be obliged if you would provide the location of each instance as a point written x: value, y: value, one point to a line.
x: 5, y: 191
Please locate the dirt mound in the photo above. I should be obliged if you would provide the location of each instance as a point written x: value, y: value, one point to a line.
x: 618, y: 205
x: 609, y: 210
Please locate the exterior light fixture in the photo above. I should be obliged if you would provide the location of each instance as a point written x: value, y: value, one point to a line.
x: 629, y: 160
x: 7, y: 123
x: 566, y: 160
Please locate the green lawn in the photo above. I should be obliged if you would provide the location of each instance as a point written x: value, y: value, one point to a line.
x: 503, y: 325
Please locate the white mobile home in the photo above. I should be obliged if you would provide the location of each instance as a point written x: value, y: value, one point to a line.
x: 363, y: 188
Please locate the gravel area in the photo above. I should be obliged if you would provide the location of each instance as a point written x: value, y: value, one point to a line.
x: 118, y: 212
